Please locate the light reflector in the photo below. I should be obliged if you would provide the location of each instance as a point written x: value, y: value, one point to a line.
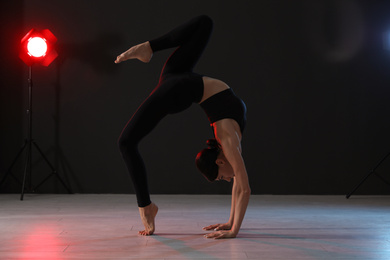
x: 38, y: 47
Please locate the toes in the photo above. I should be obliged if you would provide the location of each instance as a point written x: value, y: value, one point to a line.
x: 145, y: 233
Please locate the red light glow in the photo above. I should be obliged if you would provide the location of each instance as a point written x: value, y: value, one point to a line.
x: 41, y: 241
x: 37, y: 47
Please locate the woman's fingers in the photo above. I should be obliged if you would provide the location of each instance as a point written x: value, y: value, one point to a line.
x: 211, y: 235
x: 217, y: 227
x: 211, y: 227
x: 222, y: 227
x: 216, y: 235
x: 220, y: 234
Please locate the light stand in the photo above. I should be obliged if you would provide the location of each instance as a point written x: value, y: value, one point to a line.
x: 28, y: 145
x: 37, y: 47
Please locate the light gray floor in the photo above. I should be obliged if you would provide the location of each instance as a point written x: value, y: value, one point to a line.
x: 276, y: 227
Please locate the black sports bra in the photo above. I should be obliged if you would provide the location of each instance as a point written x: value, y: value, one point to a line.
x: 225, y: 104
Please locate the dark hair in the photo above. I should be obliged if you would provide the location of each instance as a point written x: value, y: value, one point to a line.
x: 205, y: 160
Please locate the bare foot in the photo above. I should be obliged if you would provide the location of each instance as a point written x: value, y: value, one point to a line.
x: 142, y: 51
x: 148, y: 214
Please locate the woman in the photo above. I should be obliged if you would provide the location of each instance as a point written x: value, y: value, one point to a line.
x: 177, y: 89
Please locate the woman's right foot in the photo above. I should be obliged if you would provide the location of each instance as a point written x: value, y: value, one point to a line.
x: 148, y: 215
x: 142, y: 52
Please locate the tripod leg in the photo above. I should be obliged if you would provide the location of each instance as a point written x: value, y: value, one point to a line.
x: 12, y: 165
x: 58, y: 177
x: 43, y: 156
x: 366, y: 177
x: 44, y: 180
x: 383, y: 179
x: 27, y: 168
x: 54, y: 172
x: 361, y: 182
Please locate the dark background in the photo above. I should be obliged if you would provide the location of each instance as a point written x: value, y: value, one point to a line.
x: 314, y: 76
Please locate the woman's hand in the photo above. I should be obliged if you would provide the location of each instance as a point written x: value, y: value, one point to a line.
x: 221, y: 234
x: 217, y: 227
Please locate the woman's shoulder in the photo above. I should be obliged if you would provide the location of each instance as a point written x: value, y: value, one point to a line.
x: 227, y: 128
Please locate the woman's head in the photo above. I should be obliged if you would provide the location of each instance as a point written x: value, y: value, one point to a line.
x: 206, y: 160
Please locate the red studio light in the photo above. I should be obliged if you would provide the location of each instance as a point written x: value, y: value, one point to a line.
x: 38, y: 47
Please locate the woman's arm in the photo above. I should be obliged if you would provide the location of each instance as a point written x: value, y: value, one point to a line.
x: 227, y: 135
x: 241, y: 187
x: 229, y: 224
x: 233, y: 206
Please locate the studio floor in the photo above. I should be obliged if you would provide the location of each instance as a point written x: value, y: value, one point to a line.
x: 275, y: 227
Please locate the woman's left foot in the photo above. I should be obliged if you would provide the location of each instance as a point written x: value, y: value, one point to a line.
x: 148, y: 215
x: 142, y: 52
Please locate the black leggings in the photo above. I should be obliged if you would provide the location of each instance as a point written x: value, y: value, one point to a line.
x: 177, y: 89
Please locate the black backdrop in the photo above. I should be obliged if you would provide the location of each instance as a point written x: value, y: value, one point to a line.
x: 314, y: 76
